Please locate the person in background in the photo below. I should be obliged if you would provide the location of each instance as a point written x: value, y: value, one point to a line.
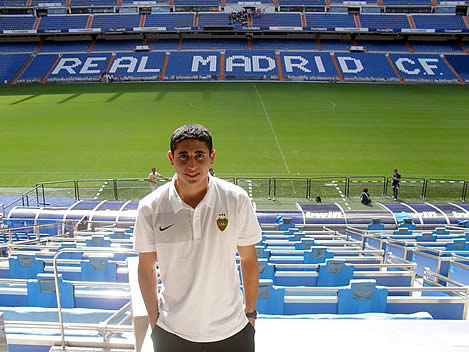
x: 396, y: 178
x: 153, y: 179
x: 318, y: 199
x: 365, y: 197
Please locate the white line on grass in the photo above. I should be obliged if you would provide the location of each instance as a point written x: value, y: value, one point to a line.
x: 272, y: 128
x: 101, y: 189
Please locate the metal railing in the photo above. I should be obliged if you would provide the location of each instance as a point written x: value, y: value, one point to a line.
x: 257, y: 187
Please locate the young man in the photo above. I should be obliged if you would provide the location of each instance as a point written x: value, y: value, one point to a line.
x: 194, y: 225
x: 153, y: 178
x: 396, y: 178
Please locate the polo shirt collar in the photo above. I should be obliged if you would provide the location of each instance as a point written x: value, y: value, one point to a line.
x: 178, y: 204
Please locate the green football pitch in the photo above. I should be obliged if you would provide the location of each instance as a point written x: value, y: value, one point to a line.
x: 96, y: 131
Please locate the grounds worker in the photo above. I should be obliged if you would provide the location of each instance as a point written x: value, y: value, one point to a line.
x: 194, y: 225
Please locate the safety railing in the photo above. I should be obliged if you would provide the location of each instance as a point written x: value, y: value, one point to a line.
x: 257, y: 187
x: 103, y: 327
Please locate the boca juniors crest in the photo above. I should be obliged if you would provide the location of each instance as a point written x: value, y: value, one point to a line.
x: 222, y: 222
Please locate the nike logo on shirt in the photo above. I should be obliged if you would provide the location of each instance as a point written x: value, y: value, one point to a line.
x: 165, y: 228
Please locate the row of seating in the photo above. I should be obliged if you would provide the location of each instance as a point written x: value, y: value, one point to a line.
x: 210, y: 44
x: 200, y: 3
x: 237, y: 64
x: 277, y: 21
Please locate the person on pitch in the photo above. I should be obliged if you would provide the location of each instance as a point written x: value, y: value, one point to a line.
x: 194, y: 225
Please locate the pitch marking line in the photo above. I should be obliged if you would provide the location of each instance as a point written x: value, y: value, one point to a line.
x: 100, y: 190
x: 272, y: 128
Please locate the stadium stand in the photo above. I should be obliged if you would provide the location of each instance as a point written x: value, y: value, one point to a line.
x: 80, y: 67
x: 17, y: 22
x: 292, y: 44
x: 422, y: 67
x: 170, y: 21
x: 38, y: 68
x: 144, y: 66
x: 384, y: 21
x: 63, y: 22
x: 36, y: 3
x: 439, y: 22
x: 209, y: 19
x: 65, y: 46
x: 10, y: 64
x: 116, y: 45
x: 315, y: 21
x: 406, y: 2
x: 193, y: 65
x: 298, y: 65
x: 365, y: 66
x: 278, y: 21
x: 243, y: 64
x: 436, y: 47
x: 384, y: 45
x: 301, y: 2
x: 214, y: 44
x: 460, y: 63
x: 196, y: 2
x: 328, y: 44
x: 27, y: 47
x: 108, y: 22
x: 88, y: 3
x: 163, y: 44
x: 14, y: 3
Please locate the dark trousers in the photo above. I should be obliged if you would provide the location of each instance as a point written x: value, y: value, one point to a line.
x: 395, y: 191
x: 164, y: 341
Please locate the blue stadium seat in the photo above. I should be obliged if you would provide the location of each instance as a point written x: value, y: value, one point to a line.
x: 421, y: 67
x: 384, y: 45
x: 27, y: 47
x: 278, y: 20
x: 451, y: 22
x: 38, y: 68
x: 196, y: 2
x: 259, y: 64
x: 62, y: 47
x: 328, y: 44
x: 193, y: 65
x: 214, y: 44
x: 308, y: 66
x: 436, y: 47
x: 10, y: 64
x: 163, y: 44
x: 63, y: 22
x: 329, y: 21
x: 208, y: 19
x: 292, y: 44
x: 365, y: 66
x: 170, y: 20
x: 36, y: 3
x: 302, y: 2
x: 115, y: 21
x: 384, y: 21
x: 89, y: 3
x: 116, y: 45
x: 461, y: 64
x: 17, y: 22
x: 80, y: 67
x: 407, y: 2
x: 141, y: 65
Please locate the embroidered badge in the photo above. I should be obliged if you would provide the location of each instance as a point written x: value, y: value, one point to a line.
x: 222, y: 222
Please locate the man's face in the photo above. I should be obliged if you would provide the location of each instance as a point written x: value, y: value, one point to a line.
x: 191, y: 161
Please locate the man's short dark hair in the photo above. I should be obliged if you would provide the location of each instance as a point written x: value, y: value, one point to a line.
x: 191, y: 131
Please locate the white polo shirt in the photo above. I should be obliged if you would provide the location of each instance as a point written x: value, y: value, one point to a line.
x: 200, y: 299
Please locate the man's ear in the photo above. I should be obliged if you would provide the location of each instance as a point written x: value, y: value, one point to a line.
x: 171, y: 158
x: 212, y: 156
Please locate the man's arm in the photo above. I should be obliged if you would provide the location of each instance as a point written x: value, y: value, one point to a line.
x: 147, y: 279
x: 250, y: 274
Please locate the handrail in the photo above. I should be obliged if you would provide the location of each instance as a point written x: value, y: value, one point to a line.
x: 272, y: 185
x: 56, y: 278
